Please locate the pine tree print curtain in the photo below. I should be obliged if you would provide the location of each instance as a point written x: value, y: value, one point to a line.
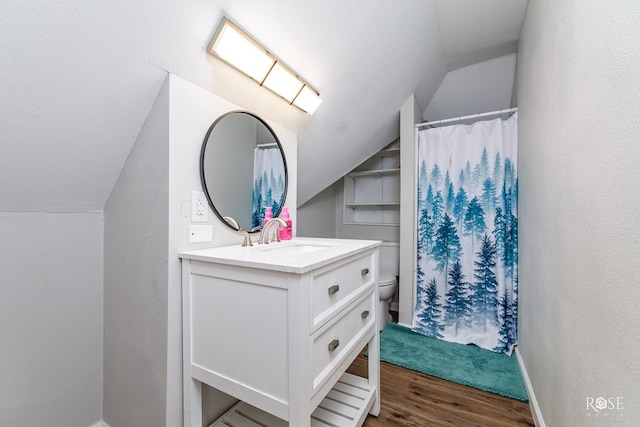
x: 268, y: 182
x: 467, y: 266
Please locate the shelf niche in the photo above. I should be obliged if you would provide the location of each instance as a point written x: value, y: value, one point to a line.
x: 372, y: 190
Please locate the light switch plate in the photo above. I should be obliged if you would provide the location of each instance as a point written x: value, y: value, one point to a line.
x: 199, y: 207
x: 200, y: 233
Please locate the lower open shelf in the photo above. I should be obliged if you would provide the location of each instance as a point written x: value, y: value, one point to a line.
x: 346, y: 405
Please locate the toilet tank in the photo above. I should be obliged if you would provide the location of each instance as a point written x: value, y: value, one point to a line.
x: 389, y: 253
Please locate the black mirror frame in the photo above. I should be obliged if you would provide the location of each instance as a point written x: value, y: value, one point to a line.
x: 204, y: 183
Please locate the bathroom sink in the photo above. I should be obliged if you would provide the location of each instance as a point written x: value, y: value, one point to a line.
x: 294, y: 249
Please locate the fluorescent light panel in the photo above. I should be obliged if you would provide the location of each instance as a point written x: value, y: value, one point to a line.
x: 283, y: 82
x: 236, y: 48
x: 307, y: 100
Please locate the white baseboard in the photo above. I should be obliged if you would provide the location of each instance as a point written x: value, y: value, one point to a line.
x: 533, y: 403
x: 100, y: 424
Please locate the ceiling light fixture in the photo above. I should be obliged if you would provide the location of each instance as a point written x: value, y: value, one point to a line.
x: 238, y: 49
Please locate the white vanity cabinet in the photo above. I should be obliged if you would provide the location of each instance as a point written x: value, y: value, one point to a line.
x: 276, y: 326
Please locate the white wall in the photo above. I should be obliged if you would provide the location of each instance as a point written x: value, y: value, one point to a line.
x: 50, y: 319
x: 136, y: 279
x: 147, y: 221
x: 410, y: 114
x: 579, y: 133
x: 478, y: 88
x: 317, y: 217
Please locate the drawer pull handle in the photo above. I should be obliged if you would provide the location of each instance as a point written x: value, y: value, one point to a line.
x: 365, y: 314
x: 364, y: 271
x: 333, y: 289
x: 333, y: 345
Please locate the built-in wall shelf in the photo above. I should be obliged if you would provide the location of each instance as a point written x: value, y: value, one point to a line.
x: 375, y: 172
x: 370, y: 205
x: 372, y: 190
x: 387, y: 152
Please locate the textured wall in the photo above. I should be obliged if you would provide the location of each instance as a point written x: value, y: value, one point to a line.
x: 319, y: 216
x: 477, y: 88
x: 578, y: 91
x: 50, y: 319
x: 135, y: 280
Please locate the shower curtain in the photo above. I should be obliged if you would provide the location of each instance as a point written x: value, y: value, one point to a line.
x: 467, y: 234
x: 268, y: 182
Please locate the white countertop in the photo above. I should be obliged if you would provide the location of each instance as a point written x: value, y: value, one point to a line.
x: 298, y: 255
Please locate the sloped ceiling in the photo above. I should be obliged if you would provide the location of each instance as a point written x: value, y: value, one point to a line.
x: 478, y: 88
x: 78, y: 79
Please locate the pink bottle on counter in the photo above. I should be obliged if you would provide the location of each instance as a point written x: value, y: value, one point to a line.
x: 287, y: 232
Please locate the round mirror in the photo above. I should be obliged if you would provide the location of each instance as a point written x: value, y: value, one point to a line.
x: 243, y: 170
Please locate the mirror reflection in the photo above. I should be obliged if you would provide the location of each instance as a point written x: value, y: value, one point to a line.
x: 243, y: 170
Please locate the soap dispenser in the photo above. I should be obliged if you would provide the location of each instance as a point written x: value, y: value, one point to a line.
x: 286, y: 233
x: 268, y: 214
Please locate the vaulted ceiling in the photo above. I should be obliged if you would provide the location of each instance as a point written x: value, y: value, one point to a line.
x: 78, y: 78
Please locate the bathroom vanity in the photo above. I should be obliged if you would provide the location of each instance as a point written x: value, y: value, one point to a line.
x: 276, y: 326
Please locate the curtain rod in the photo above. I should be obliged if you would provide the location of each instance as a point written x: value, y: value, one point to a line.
x: 267, y: 145
x: 472, y: 116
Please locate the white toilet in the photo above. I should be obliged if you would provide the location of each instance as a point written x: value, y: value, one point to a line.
x: 389, y: 254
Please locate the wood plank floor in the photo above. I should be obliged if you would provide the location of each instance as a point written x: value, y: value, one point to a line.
x: 412, y: 399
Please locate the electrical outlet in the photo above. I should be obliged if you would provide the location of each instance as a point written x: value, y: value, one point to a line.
x: 199, y: 207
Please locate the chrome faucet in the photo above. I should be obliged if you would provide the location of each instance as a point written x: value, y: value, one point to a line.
x: 264, y: 233
x: 246, y: 241
x: 246, y: 236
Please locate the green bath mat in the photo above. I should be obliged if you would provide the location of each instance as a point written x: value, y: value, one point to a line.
x: 464, y: 364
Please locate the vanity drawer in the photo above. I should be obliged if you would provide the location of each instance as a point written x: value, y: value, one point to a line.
x: 331, y: 346
x: 335, y: 287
